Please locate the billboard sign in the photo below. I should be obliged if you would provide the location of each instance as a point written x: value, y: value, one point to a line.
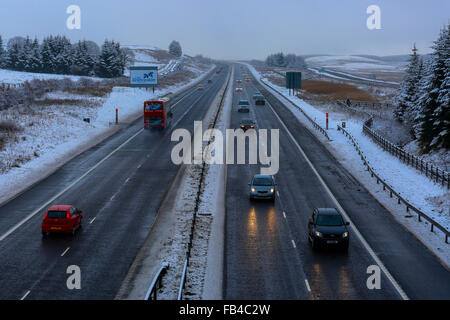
x: 144, y: 76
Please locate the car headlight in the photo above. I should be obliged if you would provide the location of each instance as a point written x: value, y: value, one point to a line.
x: 271, y: 190
x: 253, y: 189
x: 345, y: 235
x: 318, y: 234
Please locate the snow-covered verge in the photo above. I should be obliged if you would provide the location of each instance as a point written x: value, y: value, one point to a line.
x: 18, y: 77
x: 429, y: 197
x: 50, y: 134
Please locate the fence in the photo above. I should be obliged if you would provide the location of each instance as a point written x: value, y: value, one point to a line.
x: 392, y: 192
x: 434, y: 173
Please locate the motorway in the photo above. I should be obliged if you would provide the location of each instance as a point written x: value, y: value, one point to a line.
x: 267, y: 254
x: 120, y: 183
x: 119, y: 198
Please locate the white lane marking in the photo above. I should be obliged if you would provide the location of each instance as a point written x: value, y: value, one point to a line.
x: 92, y: 220
x: 25, y: 295
x: 112, y: 198
x: 19, y: 224
x: 338, y: 205
x: 293, y: 244
x: 284, y: 214
x: 139, y: 166
x: 46, y: 204
x: 307, y: 285
x: 278, y: 194
x: 65, y: 251
x: 128, y: 179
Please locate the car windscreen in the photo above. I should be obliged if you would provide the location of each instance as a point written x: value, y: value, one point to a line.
x: 329, y: 220
x: 259, y: 98
x: 57, y: 214
x: 262, y: 181
x: 243, y: 103
x: 245, y: 121
x: 149, y: 106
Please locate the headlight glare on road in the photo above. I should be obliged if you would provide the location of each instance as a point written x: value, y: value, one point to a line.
x: 345, y: 235
x: 318, y: 234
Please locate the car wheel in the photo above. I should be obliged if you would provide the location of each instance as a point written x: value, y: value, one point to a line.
x: 345, y: 248
x: 44, y: 234
x: 313, y: 245
x: 73, y: 230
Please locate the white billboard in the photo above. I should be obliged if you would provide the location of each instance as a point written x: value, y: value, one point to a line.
x: 143, y: 76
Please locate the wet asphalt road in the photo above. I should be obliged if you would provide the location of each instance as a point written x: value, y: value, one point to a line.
x: 119, y: 199
x: 267, y: 254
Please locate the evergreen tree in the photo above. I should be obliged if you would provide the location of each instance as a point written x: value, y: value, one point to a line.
x: 407, y: 98
x: 47, y: 55
x: 35, y: 58
x: 433, y: 120
x: 175, y: 49
x: 2, y: 53
x: 12, y: 59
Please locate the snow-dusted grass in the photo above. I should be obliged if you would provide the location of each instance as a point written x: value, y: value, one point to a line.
x: 418, y: 190
x: 17, y: 77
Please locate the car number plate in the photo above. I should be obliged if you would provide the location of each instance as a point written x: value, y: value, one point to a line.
x: 55, y: 228
x: 332, y: 241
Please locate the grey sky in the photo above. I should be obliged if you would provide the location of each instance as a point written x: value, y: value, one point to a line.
x: 238, y: 29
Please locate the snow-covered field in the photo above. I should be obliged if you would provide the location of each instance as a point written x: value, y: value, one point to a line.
x: 431, y: 198
x: 17, y: 77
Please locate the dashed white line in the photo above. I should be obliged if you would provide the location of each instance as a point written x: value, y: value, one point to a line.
x: 284, y: 214
x: 293, y: 244
x: 92, y: 220
x: 112, y: 198
x: 344, y: 213
x: 128, y: 179
x: 25, y: 295
x: 307, y: 285
x: 65, y: 251
x: 278, y: 194
x: 139, y: 166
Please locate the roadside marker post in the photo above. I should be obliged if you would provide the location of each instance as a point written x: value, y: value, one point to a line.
x: 327, y: 120
x: 117, y: 116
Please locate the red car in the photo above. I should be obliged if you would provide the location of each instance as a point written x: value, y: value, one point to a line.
x: 61, y: 219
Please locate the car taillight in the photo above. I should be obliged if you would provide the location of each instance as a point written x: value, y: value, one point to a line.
x: 68, y: 215
x: 46, y: 215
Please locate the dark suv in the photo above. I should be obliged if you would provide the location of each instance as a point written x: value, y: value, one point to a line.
x: 326, y: 227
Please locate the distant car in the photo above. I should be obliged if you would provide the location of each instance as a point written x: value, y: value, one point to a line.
x: 200, y: 87
x: 209, y: 81
x: 238, y: 81
x: 243, y: 106
x: 248, y: 79
x: 61, y: 219
x: 256, y: 95
x: 239, y: 89
x: 262, y: 187
x: 247, y: 124
x: 327, y: 227
x: 260, y: 100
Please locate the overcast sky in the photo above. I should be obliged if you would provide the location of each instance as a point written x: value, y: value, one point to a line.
x: 238, y: 29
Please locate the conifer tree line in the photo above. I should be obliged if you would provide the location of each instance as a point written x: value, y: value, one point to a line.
x: 57, y: 55
x: 423, y: 103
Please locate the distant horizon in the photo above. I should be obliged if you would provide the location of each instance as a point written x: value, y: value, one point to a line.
x: 239, y: 30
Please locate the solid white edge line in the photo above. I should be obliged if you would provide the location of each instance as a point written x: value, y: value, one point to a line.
x: 65, y: 251
x: 352, y: 225
x: 25, y: 295
x: 19, y: 224
x: 307, y: 285
x: 284, y: 214
x: 66, y: 189
x: 93, y: 219
x: 293, y: 244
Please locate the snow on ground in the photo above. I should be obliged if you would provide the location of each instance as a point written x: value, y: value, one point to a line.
x: 50, y: 135
x: 431, y: 198
x: 17, y: 77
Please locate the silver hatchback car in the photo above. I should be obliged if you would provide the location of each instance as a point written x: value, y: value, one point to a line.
x: 262, y: 187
